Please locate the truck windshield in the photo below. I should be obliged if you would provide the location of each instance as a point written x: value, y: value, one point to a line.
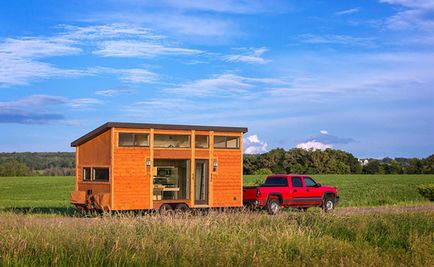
x: 276, y: 181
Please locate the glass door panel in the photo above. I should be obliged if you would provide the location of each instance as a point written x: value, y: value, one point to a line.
x: 201, y: 182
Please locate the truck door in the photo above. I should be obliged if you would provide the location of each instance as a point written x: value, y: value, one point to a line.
x: 296, y: 191
x: 312, y: 193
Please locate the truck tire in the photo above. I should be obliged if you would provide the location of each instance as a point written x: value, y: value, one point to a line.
x: 329, y: 203
x: 273, y: 206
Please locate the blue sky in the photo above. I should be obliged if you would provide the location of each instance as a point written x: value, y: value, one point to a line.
x: 352, y: 75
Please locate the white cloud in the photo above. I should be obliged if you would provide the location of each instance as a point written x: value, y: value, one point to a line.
x: 252, y: 145
x: 221, y: 85
x: 336, y: 39
x: 417, y: 15
x: 314, y: 145
x: 41, y: 109
x: 33, y: 47
x: 253, y: 56
x: 348, y: 11
x: 114, y: 91
x: 133, y: 48
x: 108, y: 31
x: 323, y: 132
x: 21, y: 71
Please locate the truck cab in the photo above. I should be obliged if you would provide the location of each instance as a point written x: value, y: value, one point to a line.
x: 290, y: 190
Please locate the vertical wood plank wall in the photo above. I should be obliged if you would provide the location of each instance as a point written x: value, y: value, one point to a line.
x: 131, y: 187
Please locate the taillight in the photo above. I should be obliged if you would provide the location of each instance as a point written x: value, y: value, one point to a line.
x: 258, y: 193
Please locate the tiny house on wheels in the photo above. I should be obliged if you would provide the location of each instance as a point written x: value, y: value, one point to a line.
x: 138, y: 166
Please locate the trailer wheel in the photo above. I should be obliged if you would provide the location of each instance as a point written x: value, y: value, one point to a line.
x: 165, y: 209
x: 181, y: 208
x: 273, y: 206
x: 329, y: 203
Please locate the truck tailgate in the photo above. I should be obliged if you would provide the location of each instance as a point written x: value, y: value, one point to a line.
x: 249, y: 192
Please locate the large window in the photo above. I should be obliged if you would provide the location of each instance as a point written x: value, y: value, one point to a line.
x: 226, y: 142
x: 202, y: 141
x: 171, y: 140
x: 171, y: 179
x: 133, y: 139
x: 96, y: 174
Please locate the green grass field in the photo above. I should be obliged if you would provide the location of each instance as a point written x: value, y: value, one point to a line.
x: 348, y: 238
x: 356, y: 190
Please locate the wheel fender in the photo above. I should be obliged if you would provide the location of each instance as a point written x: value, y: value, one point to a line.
x: 275, y: 195
x: 324, y: 195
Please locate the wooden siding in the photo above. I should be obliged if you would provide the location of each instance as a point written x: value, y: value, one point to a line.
x: 96, y: 151
x: 93, y: 153
x: 227, y: 180
x: 131, y: 187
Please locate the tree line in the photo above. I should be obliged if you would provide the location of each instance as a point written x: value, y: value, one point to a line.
x: 331, y: 161
x: 37, y: 163
x: 279, y: 160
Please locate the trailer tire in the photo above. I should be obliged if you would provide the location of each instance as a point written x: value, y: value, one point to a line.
x: 165, y: 209
x: 181, y: 208
x: 273, y: 206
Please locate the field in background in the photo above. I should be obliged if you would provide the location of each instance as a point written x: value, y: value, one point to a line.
x: 52, y: 192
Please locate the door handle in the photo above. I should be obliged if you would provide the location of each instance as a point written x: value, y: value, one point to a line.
x: 295, y: 190
x: 307, y: 190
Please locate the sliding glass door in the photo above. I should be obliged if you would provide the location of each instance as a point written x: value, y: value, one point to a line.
x: 201, y: 182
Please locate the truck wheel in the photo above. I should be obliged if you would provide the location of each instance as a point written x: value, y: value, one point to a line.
x: 329, y: 203
x: 165, y: 209
x: 273, y: 206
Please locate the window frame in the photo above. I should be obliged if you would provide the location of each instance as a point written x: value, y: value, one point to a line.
x: 207, y: 141
x: 226, y: 142
x: 168, y: 134
x: 92, y: 174
x: 134, y: 139
x: 84, y: 170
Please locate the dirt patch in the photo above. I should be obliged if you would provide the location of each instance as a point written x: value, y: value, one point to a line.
x: 385, y: 209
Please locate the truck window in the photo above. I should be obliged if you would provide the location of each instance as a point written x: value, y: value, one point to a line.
x: 276, y: 181
x: 309, y: 182
x: 296, y: 182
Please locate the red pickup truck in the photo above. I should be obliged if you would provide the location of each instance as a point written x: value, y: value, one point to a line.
x: 290, y: 190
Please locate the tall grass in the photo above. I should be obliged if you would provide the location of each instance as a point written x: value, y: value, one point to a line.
x: 302, y: 239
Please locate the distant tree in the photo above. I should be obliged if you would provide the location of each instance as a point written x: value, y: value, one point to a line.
x: 415, y: 166
x: 374, y: 167
x: 14, y: 168
x: 394, y: 167
x: 428, y: 165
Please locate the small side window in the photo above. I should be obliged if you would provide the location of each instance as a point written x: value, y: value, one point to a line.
x: 87, y: 174
x: 101, y: 174
x: 296, y: 182
x: 309, y: 182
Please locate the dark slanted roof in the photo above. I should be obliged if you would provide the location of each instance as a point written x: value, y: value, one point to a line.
x: 110, y: 125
